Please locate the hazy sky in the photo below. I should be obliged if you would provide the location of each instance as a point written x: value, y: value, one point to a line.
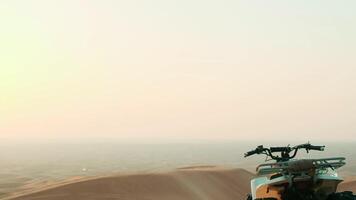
x: 201, y: 69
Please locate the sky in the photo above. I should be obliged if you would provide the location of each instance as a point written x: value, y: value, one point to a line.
x: 187, y: 69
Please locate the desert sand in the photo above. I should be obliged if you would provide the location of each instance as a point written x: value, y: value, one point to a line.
x: 349, y: 184
x: 187, y: 183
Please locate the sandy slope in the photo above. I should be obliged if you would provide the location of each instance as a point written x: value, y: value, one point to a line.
x: 188, y: 183
x: 348, y: 185
x: 185, y: 184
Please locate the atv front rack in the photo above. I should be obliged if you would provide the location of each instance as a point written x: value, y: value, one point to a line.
x: 299, y: 166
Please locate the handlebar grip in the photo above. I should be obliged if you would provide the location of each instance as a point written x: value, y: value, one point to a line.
x: 317, y: 148
x: 250, y: 153
x: 279, y: 149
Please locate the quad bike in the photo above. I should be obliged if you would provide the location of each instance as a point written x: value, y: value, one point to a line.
x: 296, y: 179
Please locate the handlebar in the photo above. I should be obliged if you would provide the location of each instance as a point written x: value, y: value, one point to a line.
x: 258, y: 150
x: 279, y: 149
x: 250, y: 153
x: 317, y: 148
x: 308, y: 147
x: 284, y: 151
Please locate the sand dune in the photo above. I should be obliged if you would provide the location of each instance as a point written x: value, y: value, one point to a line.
x: 191, y: 183
x: 187, y: 183
x: 348, y: 185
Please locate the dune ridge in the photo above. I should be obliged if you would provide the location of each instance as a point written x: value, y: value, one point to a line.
x: 186, y: 183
